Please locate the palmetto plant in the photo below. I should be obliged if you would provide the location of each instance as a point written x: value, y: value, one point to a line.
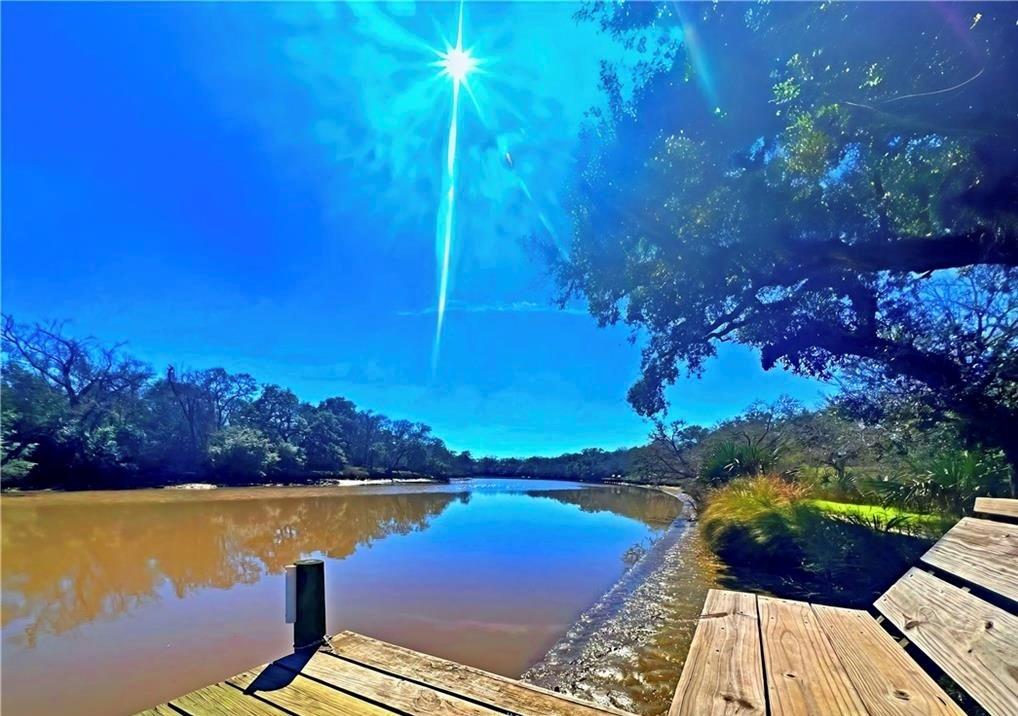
x: 729, y: 459
x: 947, y: 481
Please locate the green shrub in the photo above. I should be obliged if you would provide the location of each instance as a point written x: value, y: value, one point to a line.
x: 774, y: 536
x: 946, y: 481
x: 289, y: 458
x: 14, y: 456
x: 241, y: 453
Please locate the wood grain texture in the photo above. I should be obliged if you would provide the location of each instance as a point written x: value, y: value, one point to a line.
x: 160, y: 710
x: 223, y: 700
x: 723, y: 674
x: 804, y: 675
x: 885, y: 678
x: 982, y: 552
x: 1000, y: 506
x: 354, y: 675
x: 483, y: 686
x: 974, y: 642
x: 306, y: 696
x: 393, y: 691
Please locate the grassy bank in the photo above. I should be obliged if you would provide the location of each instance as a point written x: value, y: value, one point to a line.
x: 775, y: 537
x: 887, y: 518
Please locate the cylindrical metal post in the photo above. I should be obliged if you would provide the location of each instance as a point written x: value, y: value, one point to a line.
x: 309, y: 625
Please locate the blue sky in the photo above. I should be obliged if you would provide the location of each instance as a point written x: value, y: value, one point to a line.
x: 257, y: 186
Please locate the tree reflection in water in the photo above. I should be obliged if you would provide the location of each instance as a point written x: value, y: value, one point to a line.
x: 653, y: 508
x: 77, y: 558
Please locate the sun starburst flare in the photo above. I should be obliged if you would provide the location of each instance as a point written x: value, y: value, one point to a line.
x: 457, y: 63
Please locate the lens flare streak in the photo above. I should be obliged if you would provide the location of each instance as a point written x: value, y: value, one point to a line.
x: 455, y: 63
x: 447, y: 221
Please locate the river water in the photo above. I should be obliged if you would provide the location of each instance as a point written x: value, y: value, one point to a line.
x: 115, y: 601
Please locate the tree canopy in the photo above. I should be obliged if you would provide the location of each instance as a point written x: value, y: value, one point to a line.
x: 79, y: 414
x: 835, y: 185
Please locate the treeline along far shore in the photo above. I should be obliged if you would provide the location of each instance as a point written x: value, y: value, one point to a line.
x: 79, y: 414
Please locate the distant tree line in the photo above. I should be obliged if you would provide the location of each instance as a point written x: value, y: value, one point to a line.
x: 589, y: 465
x: 906, y: 454
x: 77, y: 413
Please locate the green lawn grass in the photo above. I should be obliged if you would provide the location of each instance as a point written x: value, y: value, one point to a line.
x: 878, y: 513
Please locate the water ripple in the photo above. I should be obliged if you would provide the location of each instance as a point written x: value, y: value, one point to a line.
x: 627, y: 650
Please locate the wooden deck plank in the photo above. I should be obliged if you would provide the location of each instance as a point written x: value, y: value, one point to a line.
x: 982, y: 552
x: 723, y: 674
x: 394, y: 692
x: 499, y: 691
x: 307, y: 696
x: 999, y: 506
x: 223, y: 700
x: 804, y: 675
x: 974, y: 642
x: 354, y: 675
x: 160, y: 710
x: 886, y: 679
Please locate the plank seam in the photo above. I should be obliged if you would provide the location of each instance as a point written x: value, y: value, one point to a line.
x: 997, y: 599
x: 913, y: 652
x: 502, y: 680
x: 848, y: 674
x: 958, y: 543
x: 972, y: 685
x: 254, y: 695
x: 362, y: 697
x: 830, y: 643
x: 763, y: 660
x: 387, y: 707
x: 433, y: 687
x: 995, y: 513
x: 826, y: 678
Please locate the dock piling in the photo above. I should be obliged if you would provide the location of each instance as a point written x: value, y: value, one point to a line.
x: 305, y: 602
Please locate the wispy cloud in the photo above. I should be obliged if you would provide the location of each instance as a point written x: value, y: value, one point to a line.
x: 498, y: 307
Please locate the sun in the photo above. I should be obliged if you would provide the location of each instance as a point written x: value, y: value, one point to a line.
x: 457, y: 63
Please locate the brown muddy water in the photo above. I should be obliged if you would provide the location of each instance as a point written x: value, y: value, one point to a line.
x: 112, y: 602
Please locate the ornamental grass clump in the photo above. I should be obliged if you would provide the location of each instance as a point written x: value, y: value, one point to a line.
x: 752, y: 519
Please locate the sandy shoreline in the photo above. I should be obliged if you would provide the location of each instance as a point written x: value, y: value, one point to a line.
x: 343, y: 482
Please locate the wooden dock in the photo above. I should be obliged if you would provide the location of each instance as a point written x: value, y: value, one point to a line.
x: 355, y: 675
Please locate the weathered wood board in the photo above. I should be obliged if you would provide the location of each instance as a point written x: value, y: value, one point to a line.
x: 804, y: 674
x: 886, y: 679
x: 974, y: 642
x: 724, y: 670
x: 354, y: 675
x: 982, y: 552
x: 998, y: 506
x: 482, y: 686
